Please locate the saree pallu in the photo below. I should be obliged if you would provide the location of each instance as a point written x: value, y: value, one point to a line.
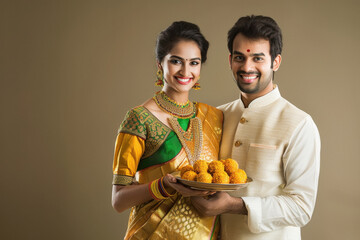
x: 146, y: 150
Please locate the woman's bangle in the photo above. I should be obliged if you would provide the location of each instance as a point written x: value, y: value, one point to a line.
x: 157, y: 190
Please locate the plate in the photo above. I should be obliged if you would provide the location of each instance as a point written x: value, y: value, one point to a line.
x: 211, y: 186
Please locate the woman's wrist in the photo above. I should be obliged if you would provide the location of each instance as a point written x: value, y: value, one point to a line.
x: 167, y: 185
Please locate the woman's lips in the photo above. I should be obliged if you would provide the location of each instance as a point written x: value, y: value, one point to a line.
x: 183, y: 81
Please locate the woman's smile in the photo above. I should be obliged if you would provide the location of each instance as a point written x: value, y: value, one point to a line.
x: 183, y: 80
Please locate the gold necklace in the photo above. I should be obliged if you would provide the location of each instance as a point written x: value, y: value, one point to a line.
x: 175, y: 109
x: 191, y: 139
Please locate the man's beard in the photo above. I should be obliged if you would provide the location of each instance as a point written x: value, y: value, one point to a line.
x: 255, y: 89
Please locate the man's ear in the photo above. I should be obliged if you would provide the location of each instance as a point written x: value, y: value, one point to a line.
x: 276, y: 63
x: 230, y: 60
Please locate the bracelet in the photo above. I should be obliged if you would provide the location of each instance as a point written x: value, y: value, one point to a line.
x: 151, y: 191
x: 157, y: 190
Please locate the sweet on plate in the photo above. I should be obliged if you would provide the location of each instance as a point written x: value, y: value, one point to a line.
x: 218, y: 171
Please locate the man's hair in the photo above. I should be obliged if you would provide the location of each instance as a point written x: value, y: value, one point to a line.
x: 258, y: 27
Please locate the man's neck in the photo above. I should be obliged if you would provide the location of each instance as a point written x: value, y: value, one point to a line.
x: 247, y: 98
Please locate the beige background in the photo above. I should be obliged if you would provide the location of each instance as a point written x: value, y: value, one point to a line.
x: 70, y: 70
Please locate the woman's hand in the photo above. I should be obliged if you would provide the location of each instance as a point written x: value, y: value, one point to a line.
x: 170, y: 182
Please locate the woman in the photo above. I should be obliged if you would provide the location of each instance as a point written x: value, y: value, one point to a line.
x: 164, y: 134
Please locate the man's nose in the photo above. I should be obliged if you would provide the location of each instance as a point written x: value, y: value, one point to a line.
x: 248, y: 66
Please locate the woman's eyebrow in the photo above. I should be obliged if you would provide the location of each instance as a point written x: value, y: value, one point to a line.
x: 180, y: 58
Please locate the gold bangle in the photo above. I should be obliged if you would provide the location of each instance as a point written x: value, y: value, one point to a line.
x: 151, y: 191
x: 156, y: 191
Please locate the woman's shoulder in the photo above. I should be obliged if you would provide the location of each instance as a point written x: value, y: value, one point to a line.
x: 139, y: 110
x: 135, y: 115
x: 206, y: 111
x: 208, y: 108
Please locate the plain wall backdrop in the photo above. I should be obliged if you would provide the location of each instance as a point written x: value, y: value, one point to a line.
x: 70, y: 70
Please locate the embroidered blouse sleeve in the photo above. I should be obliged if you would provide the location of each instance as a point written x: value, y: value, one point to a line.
x: 301, y: 162
x: 128, y: 151
x: 129, y: 148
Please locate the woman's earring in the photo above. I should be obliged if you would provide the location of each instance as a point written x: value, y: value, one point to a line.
x: 159, y: 78
x: 197, y: 85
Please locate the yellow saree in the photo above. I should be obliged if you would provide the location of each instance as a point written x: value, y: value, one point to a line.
x: 141, y: 140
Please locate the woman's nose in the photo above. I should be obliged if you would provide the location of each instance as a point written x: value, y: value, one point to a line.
x: 185, y: 70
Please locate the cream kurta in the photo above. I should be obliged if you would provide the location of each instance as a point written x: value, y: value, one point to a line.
x: 278, y: 145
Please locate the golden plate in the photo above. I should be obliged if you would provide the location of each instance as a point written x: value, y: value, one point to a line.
x: 212, y: 186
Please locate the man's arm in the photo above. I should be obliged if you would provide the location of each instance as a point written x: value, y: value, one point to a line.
x: 301, y: 161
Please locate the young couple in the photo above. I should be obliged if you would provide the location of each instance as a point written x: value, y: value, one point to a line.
x: 277, y: 144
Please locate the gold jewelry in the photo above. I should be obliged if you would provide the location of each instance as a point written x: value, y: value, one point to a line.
x: 159, y: 78
x: 196, y: 86
x: 157, y: 190
x: 191, y: 139
x: 154, y: 191
x: 175, y: 109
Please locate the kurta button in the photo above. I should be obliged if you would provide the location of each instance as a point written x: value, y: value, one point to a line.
x: 242, y: 120
x: 238, y: 143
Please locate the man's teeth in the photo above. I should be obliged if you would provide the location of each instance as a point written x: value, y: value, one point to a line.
x: 249, y: 78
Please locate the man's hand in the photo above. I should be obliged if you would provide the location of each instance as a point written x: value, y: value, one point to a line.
x: 219, y: 203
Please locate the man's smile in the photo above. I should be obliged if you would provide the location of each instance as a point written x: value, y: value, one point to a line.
x: 248, y: 77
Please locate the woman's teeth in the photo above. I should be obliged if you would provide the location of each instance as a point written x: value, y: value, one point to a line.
x: 183, y: 79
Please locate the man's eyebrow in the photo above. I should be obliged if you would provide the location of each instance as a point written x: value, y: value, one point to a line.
x: 238, y: 53
x: 180, y: 58
x: 252, y: 54
x: 257, y: 54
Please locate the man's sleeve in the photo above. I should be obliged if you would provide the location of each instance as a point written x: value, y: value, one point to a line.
x: 301, y: 162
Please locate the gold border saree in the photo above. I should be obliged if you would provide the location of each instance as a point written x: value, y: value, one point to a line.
x: 141, y: 137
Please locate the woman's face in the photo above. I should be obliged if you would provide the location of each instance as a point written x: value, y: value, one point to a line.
x: 181, y: 66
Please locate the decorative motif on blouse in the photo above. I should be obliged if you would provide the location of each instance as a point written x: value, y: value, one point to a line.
x: 140, y: 122
x: 122, y: 179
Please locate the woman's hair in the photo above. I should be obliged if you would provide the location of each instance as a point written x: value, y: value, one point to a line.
x: 176, y: 32
x: 257, y: 27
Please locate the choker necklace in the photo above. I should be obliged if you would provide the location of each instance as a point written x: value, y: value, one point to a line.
x: 175, y: 109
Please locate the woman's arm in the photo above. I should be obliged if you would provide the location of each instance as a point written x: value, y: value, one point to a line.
x: 124, y: 197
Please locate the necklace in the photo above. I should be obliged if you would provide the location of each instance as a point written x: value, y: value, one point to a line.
x: 191, y: 139
x: 173, y: 108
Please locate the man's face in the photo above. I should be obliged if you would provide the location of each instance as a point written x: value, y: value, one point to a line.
x: 251, y: 66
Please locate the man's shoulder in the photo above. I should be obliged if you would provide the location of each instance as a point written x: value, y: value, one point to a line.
x: 291, y: 111
x: 291, y: 117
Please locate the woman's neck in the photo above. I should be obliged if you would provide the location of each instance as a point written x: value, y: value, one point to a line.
x: 179, y: 98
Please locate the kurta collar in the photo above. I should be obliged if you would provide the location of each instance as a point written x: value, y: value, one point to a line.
x: 263, y: 100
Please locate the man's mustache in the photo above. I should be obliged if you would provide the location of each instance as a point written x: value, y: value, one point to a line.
x: 243, y: 72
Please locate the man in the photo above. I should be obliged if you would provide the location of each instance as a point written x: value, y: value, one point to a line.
x: 277, y: 144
